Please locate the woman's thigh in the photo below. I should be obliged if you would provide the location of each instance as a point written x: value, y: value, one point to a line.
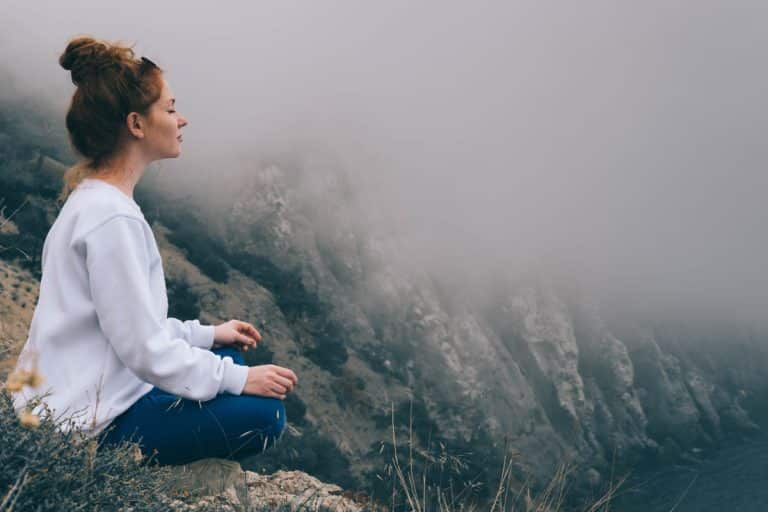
x: 178, y: 430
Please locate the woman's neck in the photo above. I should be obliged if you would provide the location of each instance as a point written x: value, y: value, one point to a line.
x: 123, y: 172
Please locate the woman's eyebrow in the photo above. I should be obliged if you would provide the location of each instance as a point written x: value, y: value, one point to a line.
x: 172, y: 101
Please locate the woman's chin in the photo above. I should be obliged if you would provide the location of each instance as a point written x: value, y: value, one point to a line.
x: 166, y: 156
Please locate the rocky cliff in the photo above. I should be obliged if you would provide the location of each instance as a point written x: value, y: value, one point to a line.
x: 537, y: 363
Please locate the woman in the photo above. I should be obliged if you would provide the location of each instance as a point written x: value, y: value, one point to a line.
x: 113, y: 363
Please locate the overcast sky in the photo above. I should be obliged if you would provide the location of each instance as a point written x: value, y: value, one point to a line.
x: 623, y: 142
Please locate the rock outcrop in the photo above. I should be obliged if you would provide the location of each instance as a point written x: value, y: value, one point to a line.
x: 226, y: 487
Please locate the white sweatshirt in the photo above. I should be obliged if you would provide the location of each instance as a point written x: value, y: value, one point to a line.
x: 100, y: 332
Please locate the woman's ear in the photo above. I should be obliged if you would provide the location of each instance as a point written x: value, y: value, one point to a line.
x: 135, y: 125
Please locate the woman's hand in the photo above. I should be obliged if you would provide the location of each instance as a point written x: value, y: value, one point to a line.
x: 270, y: 380
x: 237, y: 333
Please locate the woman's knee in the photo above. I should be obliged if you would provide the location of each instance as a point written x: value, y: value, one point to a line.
x: 283, y: 417
x: 276, y: 429
x: 265, y: 421
x: 277, y: 425
x: 268, y: 416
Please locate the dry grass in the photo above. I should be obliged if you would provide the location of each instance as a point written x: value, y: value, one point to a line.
x: 412, y: 489
x: 45, y: 468
x: 7, y: 226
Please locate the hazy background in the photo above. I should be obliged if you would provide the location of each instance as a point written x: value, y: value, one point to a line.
x: 618, y: 142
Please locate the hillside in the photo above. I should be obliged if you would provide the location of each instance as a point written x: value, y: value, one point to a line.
x: 536, y: 364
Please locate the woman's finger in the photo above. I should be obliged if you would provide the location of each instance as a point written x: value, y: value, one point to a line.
x: 243, y: 337
x: 251, y: 331
x: 279, y: 389
x: 286, y: 383
x: 288, y: 374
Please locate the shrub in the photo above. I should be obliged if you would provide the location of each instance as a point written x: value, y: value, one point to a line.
x: 183, y: 302
x: 201, y: 250
x: 43, y: 467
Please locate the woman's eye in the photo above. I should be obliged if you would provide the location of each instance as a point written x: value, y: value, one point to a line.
x: 171, y: 111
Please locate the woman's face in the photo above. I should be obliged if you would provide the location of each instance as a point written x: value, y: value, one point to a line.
x: 163, y: 132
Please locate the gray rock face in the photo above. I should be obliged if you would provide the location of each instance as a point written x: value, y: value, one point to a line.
x: 543, y: 323
x: 536, y: 364
x: 540, y: 366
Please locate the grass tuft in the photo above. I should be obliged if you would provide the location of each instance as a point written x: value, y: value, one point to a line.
x: 43, y: 467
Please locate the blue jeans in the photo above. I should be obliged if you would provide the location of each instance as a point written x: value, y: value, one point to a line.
x: 177, y: 430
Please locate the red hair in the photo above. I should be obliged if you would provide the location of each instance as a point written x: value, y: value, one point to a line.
x: 111, y: 83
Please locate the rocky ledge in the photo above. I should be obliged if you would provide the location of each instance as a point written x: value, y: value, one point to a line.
x: 227, y: 487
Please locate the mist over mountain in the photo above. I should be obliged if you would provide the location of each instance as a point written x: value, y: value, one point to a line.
x: 617, y: 145
x: 528, y: 224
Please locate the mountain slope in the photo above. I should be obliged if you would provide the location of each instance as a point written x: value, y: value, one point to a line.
x: 537, y: 364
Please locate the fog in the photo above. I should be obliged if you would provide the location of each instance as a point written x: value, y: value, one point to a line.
x: 620, y: 143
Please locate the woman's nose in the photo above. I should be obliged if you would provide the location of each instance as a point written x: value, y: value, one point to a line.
x: 183, y: 122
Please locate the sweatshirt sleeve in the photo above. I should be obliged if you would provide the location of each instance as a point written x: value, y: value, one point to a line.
x: 193, y: 331
x: 117, y: 261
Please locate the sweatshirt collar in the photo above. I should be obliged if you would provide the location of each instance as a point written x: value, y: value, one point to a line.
x: 101, y: 183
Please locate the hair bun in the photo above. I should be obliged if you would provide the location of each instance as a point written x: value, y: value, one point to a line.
x: 86, y: 56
